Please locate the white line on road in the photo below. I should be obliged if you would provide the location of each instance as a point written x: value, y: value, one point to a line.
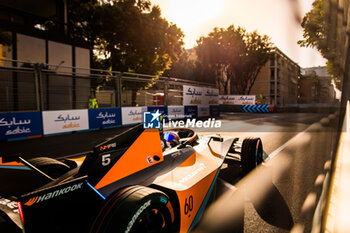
x: 279, y: 149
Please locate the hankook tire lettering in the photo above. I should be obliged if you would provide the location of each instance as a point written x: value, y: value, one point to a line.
x: 59, y: 192
x: 136, y: 215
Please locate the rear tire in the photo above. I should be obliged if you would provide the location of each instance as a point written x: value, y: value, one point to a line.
x: 251, y: 154
x: 136, y: 209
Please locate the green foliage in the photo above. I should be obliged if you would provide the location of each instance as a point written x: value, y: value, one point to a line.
x: 131, y: 36
x: 183, y: 68
x: 126, y: 36
x: 316, y: 34
x: 234, y: 56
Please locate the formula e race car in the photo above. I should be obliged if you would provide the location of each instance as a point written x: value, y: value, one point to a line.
x: 134, y: 182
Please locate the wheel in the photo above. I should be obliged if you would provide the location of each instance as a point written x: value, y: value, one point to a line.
x: 49, y: 166
x: 136, y: 209
x: 251, y: 154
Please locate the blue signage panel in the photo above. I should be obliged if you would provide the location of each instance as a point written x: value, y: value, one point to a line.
x: 191, y: 110
x: 20, y: 125
x: 214, y: 110
x: 104, y: 117
x: 162, y: 109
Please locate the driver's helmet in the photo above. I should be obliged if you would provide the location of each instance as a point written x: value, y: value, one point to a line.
x: 172, y: 138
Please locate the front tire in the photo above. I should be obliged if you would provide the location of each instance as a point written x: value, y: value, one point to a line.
x: 251, y: 154
x: 136, y: 209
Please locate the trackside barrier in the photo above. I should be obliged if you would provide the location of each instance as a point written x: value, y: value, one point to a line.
x: 132, y: 115
x: 293, y: 108
x: 214, y: 110
x: 162, y: 109
x: 20, y: 125
x: 264, y: 108
x: 191, y: 110
x: 176, y: 112
x: 24, y: 125
x: 65, y: 121
x: 104, y: 118
x: 203, y: 111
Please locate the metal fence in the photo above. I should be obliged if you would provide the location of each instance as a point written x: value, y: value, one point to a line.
x: 28, y: 86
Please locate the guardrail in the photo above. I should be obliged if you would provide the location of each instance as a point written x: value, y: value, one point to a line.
x: 26, y: 86
x: 24, y: 125
x: 310, y: 108
x: 332, y: 210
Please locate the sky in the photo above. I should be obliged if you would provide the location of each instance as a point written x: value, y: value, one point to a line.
x: 275, y: 18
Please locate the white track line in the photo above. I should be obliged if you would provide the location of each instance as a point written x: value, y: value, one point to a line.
x: 279, y: 149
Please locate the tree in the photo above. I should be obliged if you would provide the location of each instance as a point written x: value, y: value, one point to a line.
x: 184, y: 68
x: 234, y: 56
x: 132, y: 36
x: 127, y: 36
x: 317, y: 33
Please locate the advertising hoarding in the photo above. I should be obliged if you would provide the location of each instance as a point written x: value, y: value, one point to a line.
x: 104, y: 118
x: 162, y: 109
x: 203, y: 111
x: 211, y: 96
x: 132, y: 115
x: 237, y: 99
x: 65, y: 121
x: 214, y: 110
x: 20, y: 125
x: 192, y: 111
x: 192, y: 95
x: 176, y: 112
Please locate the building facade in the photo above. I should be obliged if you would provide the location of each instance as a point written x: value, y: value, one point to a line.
x: 316, y: 86
x: 29, y: 43
x: 277, y: 81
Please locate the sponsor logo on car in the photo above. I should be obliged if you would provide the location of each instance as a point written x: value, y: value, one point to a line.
x: 192, y: 174
x: 136, y: 215
x: 150, y: 160
x: 10, y: 204
x: 109, y: 146
x: 56, y: 193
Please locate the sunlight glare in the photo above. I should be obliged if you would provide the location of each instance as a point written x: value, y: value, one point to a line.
x: 187, y: 14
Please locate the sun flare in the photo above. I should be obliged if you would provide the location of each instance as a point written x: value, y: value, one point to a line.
x: 188, y: 14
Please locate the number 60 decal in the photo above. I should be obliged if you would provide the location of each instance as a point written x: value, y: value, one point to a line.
x: 188, y: 204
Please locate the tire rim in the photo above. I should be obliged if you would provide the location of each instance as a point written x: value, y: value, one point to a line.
x: 153, y: 220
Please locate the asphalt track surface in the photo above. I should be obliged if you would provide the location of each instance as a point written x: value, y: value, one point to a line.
x: 300, y: 143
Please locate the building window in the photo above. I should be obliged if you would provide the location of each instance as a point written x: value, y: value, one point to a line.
x: 272, y: 73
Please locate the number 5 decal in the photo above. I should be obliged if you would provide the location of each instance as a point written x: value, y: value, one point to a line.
x: 106, y: 159
x: 188, y: 204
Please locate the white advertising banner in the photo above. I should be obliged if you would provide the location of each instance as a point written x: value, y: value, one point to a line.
x: 132, y: 115
x: 211, y: 96
x: 65, y: 121
x: 176, y: 112
x: 193, y: 95
x: 237, y: 99
x: 203, y: 111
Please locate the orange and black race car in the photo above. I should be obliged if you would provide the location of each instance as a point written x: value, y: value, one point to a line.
x: 134, y: 182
